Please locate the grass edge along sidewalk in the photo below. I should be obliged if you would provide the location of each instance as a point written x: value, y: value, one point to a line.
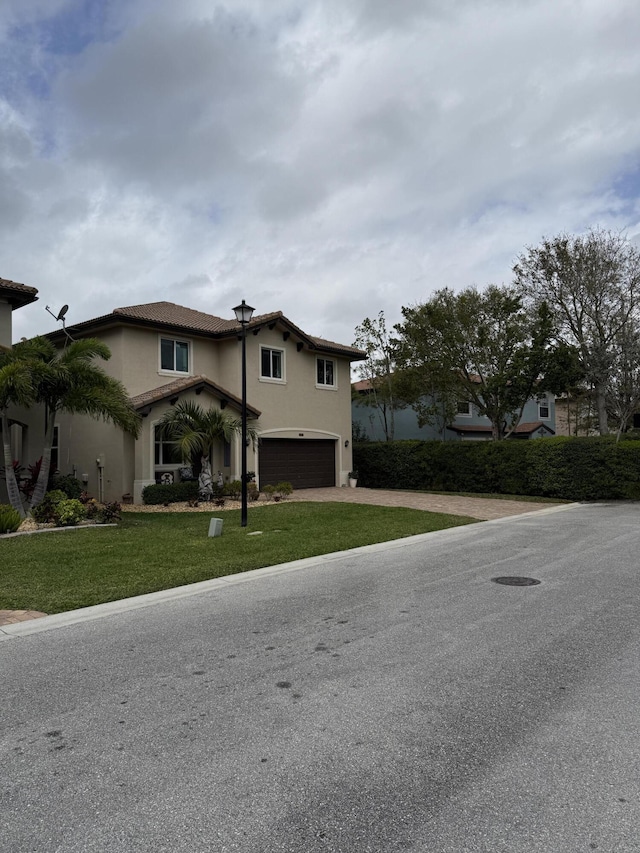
x: 56, y: 572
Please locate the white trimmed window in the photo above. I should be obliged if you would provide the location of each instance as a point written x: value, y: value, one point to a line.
x: 326, y: 372
x: 272, y: 363
x: 165, y: 452
x: 464, y: 409
x: 544, y: 410
x: 174, y: 356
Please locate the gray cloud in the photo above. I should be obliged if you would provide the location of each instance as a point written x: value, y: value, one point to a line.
x: 329, y: 159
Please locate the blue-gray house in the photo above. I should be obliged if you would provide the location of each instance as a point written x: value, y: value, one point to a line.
x: 538, y: 420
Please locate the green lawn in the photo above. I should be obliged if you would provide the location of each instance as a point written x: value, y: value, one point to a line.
x: 53, y: 572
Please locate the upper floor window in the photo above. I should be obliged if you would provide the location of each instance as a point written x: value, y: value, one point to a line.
x: 272, y: 363
x: 464, y: 409
x: 544, y: 412
x: 174, y: 355
x: 325, y: 371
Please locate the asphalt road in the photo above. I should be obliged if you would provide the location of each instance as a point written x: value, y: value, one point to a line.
x: 390, y: 699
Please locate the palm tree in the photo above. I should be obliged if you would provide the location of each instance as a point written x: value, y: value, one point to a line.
x: 69, y: 380
x: 20, y: 367
x: 195, y: 430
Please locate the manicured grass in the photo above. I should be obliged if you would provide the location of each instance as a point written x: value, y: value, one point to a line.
x: 54, y: 572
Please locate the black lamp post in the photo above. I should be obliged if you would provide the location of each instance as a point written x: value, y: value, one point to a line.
x: 243, y: 314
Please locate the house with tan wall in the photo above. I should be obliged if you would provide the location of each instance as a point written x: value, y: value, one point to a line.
x: 298, y: 398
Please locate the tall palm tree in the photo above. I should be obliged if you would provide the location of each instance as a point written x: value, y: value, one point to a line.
x: 195, y: 430
x: 69, y: 380
x: 20, y: 367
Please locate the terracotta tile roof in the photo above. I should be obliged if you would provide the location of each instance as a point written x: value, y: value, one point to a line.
x: 170, y: 315
x: 186, y: 383
x: 17, y: 294
x: 342, y: 349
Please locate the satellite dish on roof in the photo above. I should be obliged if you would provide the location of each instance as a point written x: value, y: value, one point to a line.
x: 60, y: 318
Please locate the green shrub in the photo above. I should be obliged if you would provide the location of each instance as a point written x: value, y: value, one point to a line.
x: 70, y: 512
x: 175, y: 493
x: 67, y: 484
x: 233, y: 490
x: 108, y: 513
x: 9, y: 519
x: 578, y: 469
x: 46, y: 510
x: 278, y: 491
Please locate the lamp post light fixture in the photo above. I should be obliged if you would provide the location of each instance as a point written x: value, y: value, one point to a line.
x: 243, y: 314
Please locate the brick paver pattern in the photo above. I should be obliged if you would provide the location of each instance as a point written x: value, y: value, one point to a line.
x: 484, y: 509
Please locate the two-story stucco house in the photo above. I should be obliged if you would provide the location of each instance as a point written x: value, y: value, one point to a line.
x: 298, y: 398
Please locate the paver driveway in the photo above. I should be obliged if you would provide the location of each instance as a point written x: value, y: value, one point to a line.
x: 483, y: 508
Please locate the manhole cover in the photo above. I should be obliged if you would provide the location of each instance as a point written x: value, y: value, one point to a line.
x: 515, y: 581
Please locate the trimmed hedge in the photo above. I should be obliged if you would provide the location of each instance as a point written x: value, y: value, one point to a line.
x: 173, y: 494
x: 578, y: 469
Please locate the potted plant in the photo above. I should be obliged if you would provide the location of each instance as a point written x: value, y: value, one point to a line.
x: 353, y: 479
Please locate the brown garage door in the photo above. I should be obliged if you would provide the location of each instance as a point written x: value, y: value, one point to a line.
x: 306, y: 464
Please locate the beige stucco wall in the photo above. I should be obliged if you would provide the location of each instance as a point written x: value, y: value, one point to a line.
x: 99, y: 454
x: 136, y: 358
x: 573, y: 417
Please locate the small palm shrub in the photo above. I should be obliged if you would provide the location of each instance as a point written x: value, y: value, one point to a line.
x: 9, y: 519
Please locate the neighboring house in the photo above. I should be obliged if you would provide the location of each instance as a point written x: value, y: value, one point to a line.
x: 12, y: 296
x: 298, y: 398
x: 26, y: 426
x: 538, y: 420
x: 575, y: 416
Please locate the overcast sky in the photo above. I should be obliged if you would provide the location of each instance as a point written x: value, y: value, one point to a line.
x: 326, y: 158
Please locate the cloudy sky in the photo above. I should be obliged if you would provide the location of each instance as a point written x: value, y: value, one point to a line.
x: 326, y: 158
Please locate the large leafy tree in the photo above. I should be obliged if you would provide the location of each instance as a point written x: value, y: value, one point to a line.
x: 196, y: 430
x: 623, y: 383
x: 69, y: 380
x: 378, y: 371
x: 591, y: 283
x: 474, y: 346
